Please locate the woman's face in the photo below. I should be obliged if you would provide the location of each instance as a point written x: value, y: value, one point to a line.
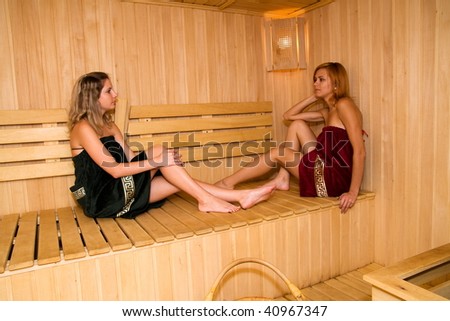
x: 108, y: 97
x: 323, y: 88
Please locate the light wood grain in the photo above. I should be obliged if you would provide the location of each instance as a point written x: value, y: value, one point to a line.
x: 48, y: 242
x: 71, y: 241
x: 406, y: 115
x: 24, y: 247
x: 8, y: 225
x: 392, y: 283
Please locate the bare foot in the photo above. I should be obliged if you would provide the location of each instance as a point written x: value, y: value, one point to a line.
x: 255, y: 196
x: 281, y: 181
x: 222, y: 184
x: 214, y: 204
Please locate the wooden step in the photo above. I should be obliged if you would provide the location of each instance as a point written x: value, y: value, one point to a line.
x: 347, y: 287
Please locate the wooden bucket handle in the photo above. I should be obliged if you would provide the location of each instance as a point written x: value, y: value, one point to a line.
x: 294, y: 289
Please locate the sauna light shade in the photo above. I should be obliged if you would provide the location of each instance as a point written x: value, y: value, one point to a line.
x: 285, y: 44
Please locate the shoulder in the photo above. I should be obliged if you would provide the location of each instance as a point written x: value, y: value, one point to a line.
x: 82, y: 127
x: 346, y: 105
x: 345, y: 102
x: 82, y: 132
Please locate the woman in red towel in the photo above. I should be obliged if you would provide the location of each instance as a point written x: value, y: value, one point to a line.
x: 331, y: 164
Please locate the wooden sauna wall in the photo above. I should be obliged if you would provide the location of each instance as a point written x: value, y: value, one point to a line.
x: 396, y: 53
x: 154, y: 54
x: 397, y: 56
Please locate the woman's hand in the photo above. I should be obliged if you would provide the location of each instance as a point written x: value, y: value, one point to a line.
x: 168, y: 157
x: 347, y: 200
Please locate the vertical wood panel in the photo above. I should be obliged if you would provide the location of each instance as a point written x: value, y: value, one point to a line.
x: 8, y: 94
x: 441, y: 168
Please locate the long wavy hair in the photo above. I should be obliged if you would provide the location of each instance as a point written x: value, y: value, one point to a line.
x: 339, y: 79
x: 84, y: 102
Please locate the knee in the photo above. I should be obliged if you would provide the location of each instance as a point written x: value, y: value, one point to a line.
x: 154, y: 150
x: 297, y: 125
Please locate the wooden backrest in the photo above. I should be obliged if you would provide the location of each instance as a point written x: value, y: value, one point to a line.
x: 34, y: 144
x: 202, y: 131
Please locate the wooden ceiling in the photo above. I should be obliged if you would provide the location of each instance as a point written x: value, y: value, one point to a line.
x: 256, y: 7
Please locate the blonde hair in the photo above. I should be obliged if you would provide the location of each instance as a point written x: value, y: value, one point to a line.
x: 84, y: 102
x: 339, y: 78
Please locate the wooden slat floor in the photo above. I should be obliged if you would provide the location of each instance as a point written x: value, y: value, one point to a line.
x: 347, y: 287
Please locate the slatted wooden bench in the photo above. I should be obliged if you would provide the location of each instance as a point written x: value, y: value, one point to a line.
x: 58, y: 253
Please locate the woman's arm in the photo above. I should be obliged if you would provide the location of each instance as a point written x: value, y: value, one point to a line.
x: 86, y: 137
x: 298, y: 108
x: 352, y: 119
x: 296, y: 111
x: 115, y: 131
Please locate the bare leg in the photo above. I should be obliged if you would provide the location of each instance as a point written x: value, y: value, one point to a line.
x: 286, y: 157
x: 207, y: 202
x: 175, y: 178
x: 299, y: 134
x: 301, y: 137
x: 247, y: 198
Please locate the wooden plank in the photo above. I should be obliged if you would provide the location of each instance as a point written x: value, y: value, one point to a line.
x: 21, y: 172
x: 314, y: 295
x: 233, y: 220
x: 218, y: 221
x: 251, y: 215
x: 197, y: 124
x: 116, y: 238
x: 213, y: 221
x: 391, y: 279
x: 353, y: 292
x: 93, y: 238
x: 8, y: 226
x: 193, y: 139
x: 356, y: 281
x: 442, y: 289
x: 428, y: 276
x: 134, y: 232
x: 175, y: 110
x: 214, y: 152
x: 313, y: 203
x: 35, y: 116
x: 71, y: 241
x: 33, y: 135
x: 24, y: 246
x: 155, y: 229
x: 178, y: 229
x: 346, y: 287
x: 299, y: 204
x: 269, y: 211
x: 281, y: 203
x: 286, y: 208
x: 333, y: 293
x: 197, y: 226
x: 48, y: 244
x: 28, y: 153
x: 225, y: 151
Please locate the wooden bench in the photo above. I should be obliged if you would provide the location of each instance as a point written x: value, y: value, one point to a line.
x: 174, y: 252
